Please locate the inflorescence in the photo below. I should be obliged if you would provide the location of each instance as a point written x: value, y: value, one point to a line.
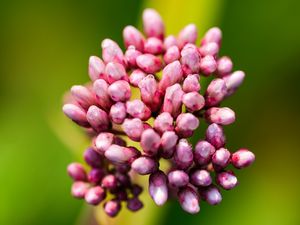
x: 166, y: 72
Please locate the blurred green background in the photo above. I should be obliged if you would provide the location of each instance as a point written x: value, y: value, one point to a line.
x: 45, y: 47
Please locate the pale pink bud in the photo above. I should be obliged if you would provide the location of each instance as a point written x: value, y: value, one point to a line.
x: 234, y: 81
x: 201, y: 178
x: 163, y: 122
x: 215, y: 92
x: 121, y: 155
x: 203, y: 152
x: 172, y: 54
x: 173, y: 100
x: 168, y: 143
x: 178, y: 178
x: 215, y: 135
x: 186, y: 123
x: 111, y: 52
x: 170, y: 41
x: 115, y: 71
x: 136, y: 76
x: 100, y: 88
x: 183, y: 156
x: 222, y: 116
x: 227, y: 180
x: 95, y: 195
x: 96, y: 68
x: 242, y: 158
x: 224, y: 66
x: 79, y: 189
x: 77, y: 172
x: 97, y: 118
x: 191, y: 83
x: 144, y: 165
x: 212, y: 195
x: 131, y: 54
x: 190, y: 59
x: 75, y: 113
x: 188, y: 34
x: 137, y: 109
x: 103, y: 141
x: 112, y: 208
x: 150, y: 141
x: 133, y: 36
x: 153, y: 46
x: 221, y: 158
x: 209, y: 49
x: 83, y: 96
x: 117, y: 113
x: 133, y: 128
x: 153, y: 24
x: 214, y: 34
x: 149, y: 63
x: 193, y: 101
x: 208, y: 65
x: 158, y: 189
x: 171, y: 74
x: 110, y: 181
x: 189, y: 200
x: 119, y: 91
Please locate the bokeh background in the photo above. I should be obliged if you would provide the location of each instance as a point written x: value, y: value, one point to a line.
x: 45, y: 47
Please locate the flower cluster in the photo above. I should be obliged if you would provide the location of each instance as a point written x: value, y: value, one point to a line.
x: 166, y: 72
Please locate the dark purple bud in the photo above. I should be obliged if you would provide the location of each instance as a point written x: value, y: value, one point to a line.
x: 122, y: 195
x: 215, y: 135
x: 95, y: 175
x: 222, y: 116
x: 112, y: 208
x: 227, y: 180
x: 77, y: 172
x: 242, y: 158
x: 203, y: 152
x: 77, y: 114
x: 189, y: 200
x: 109, y: 181
x: 92, y: 158
x: 79, y: 189
x: 121, y: 155
x: 221, y: 158
x: 186, y: 123
x: 134, y: 204
x: 98, y: 118
x: 183, y: 156
x: 144, y: 165
x: 136, y: 190
x: 178, y: 178
x: 212, y: 195
x: 158, y: 188
x: 95, y: 195
x: 168, y: 143
x: 123, y: 179
x: 150, y: 141
x: 215, y: 92
x: 201, y: 178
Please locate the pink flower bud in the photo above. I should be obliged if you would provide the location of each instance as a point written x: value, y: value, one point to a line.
x: 97, y: 118
x: 171, y: 74
x: 221, y: 158
x: 215, y: 135
x: 227, y: 180
x: 189, y: 200
x: 111, y: 52
x: 173, y: 100
x: 131, y: 54
x: 117, y: 113
x: 153, y: 46
x: 95, y: 175
x: 83, y: 96
x: 153, y: 24
x: 168, y: 143
x: 170, y: 41
x: 103, y: 141
x: 201, y: 178
x: 183, y: 156
x: 149, y: 92
x: 79, y: 189
x: 96, y: 68
x: 178, y: 178
x: 208, y: 65
x: 158, y: 189
x: 215, y: 92
x: 134, y: 204
x: 100, y: 88
x: 137, y: 109
x: 211, y: 49
x: 121, y: 155
x: 188, y: 34
x: 222, y: 116
x: 136, y: 76
x: 234, y: 81
x: 186, y: 123
x: 242, y: 158
x: 95, y: 195
x: 172, y: 54
x: 212, y: 195
x: 144, y: 165
x: 203, y: 152
x: 149, y: 63
x: 150, y: 141
x: 92, y: 158
x: 119, y: 91
x: 163, y: 122
x: 115, y: 71
x: 75, y: 113
x: 193, y: 101
x: 112, y: 208
x: 133, y: 128
x: 133, y: 36
x: 190, y: 59
x: 191, y: 83
x: 212, y: 35
x: 76, y: 172
x: 224, y: 66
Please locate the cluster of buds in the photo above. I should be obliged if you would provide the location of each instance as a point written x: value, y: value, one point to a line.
x: 166, y: 72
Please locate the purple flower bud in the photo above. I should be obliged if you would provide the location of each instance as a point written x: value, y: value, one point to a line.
x: 133, y: 128
x: 123, y: 179
x: 158, y: 189
x: 214, y: 34
x: 134, y: 204
x: 208, y: 65
x: 189, y: 200
x: 79, y: 189
x: 193, y: 101
x: 164, y: 122
x: 76, y: 172
x: 191, y: 83
x: 201, y: 178
x: 137, y: 109
x: 92, y: 158
x: 222, y: 116
x: 215, y: 92
x: 171, y: 74
x: 95, y: 195
x: 136, y: 76
x: 212, y: 195
x: 119, y: 91
x: 170, y: 41
x: 211, y: 49
x: 203, y: 152
x: 153, y: 24
x: 186, y: 123
x: 131, y: 54
x: 133, y: 36
x: 100, y: 88
x: 178, y: 178
x: 83, y: 96
x: 96, y: 68
x: 144, y: 165
x: 76, y: 114
x: 121, y: 155
x: 215, y: 135
x: 115, y: 71
x: 168, y: 143
x: 224, y: 66
x: 234, y: 81
x: 149, y: 63
x: 109, y: 181
x: 173, y: 100
x: 112, y: 208
x: 190, y: 59
x: 111, y: 52
x: 136, y: 190
x: 95, y: 175
x: 183, y: 156
x: 117, y: 113
x: 221, y: 158
x: 227, y: 180
x: 103, y: 141
x: 242, y: 158
x: 153, y: 46
x: 172, y: 54
x: 150, y: 141
x: 98, y: 118
x: 188, y: 34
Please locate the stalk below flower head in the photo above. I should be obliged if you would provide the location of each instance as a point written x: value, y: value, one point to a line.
x: 177, y: 104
